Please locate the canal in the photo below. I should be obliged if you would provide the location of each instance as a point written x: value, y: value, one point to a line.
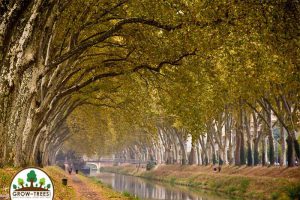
x: 154, y: 190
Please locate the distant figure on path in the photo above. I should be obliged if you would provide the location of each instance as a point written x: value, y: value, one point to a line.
x: 220, y: 164
x: 215, y: 168
x: 70, y: 170
x: 219, y: 168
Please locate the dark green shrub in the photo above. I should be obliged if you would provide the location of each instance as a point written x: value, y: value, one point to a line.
x: 244, y: 185
x: 127, y: 194
x: 231, y: 190
x: 172, y: 181
x: 150, y: 165
x: 293, y: 191
x: 275, y: 196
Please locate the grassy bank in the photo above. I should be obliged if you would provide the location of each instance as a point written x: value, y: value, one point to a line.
x: 242, y: 182
x: 63, y: 192
x: 6, y: 175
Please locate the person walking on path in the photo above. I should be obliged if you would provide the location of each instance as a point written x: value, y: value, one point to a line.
x: 70, y: 170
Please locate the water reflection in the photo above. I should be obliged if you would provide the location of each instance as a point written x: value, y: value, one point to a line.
x: 153, y: 190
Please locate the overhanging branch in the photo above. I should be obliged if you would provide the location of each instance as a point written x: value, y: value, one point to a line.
x: 97, y: 39
x: 157, y: 68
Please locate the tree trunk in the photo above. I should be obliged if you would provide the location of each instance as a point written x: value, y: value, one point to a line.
x: 230, y: 151
x: 192, y: 155
x: 242, y: 138
x: 283, y: 150
x: 256, y: 152
x: 204, y: 154
x: 242, y: 149
x: 212, y: 145
x: 237, y: 158
x: 270, y: 136
x: 199, y: 159
x: 290, y: 151
x: 249, y: 147
x: 228, y: 132
x: 263, y: 154
x: 183, y: 151
x: 175, y: 148
x: 249, y: 154
x: 257, y: 135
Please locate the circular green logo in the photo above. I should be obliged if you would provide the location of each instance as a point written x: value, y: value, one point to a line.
x: 30, y: 184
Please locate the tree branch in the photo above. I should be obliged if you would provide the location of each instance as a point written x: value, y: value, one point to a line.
x: 168, y: 62
x: 118, y: 26
x: 259, y: 114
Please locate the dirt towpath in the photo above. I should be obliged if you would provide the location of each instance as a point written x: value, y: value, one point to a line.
x: 82, y: 189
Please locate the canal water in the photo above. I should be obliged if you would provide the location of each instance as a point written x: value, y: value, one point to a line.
x: 154, y: 190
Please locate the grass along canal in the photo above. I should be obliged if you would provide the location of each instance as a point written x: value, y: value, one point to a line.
x: 142, y: 188
x: 232, y: 182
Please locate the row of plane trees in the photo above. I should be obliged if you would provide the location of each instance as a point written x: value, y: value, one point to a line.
x: 249, y: 141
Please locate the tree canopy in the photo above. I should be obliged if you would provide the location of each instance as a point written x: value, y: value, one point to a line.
x: 101, y: 76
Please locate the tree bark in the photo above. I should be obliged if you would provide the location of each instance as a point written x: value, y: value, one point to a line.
x: 249, y: 140
x: 270, y: 136
x: 283, y: 149
x: 192, y: 155
x: 237, y: 157
x: 183, y: 150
